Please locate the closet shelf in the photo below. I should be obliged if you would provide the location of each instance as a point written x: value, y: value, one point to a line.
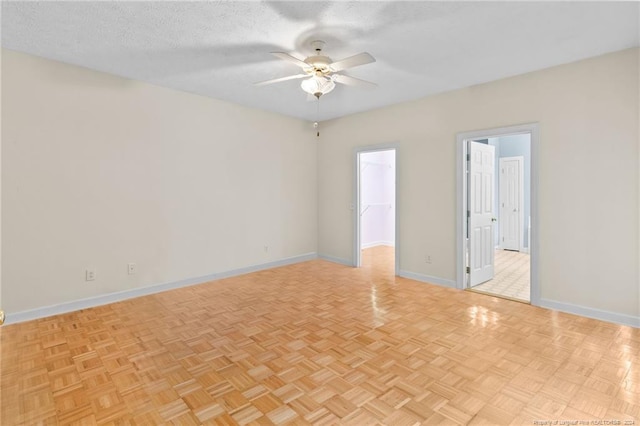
x: 368, y: 205
x: 365, y: 164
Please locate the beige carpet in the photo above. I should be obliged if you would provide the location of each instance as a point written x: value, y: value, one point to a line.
x: 511, y: 276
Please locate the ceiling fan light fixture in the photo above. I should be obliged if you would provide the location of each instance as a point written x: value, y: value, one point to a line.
x: 321, y: 72
x: 316, y: 84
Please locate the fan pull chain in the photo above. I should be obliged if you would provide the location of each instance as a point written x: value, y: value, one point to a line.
x: 317, y: 123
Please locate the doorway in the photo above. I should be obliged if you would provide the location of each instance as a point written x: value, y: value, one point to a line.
x: 376, y: 209
x: 497, y: 187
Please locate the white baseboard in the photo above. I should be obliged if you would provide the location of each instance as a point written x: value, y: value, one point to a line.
x: 269, y: 265
x: 378, y: 243
x: 90, y: 302
x: 598, y: 314
x: 428, y: 279
x: 522, y: 249
x: 104, y: 299
x: 345, y: 262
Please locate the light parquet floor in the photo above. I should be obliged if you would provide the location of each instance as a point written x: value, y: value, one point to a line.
x: 512, y: 276
x: 317, y: 343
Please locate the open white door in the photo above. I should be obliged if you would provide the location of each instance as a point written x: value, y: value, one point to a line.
x: 481, y: 212
x: 511, y: 203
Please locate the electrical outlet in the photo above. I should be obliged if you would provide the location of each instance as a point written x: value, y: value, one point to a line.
x: 427, y: 259
x: 89, y: 274
x: 132, y: 268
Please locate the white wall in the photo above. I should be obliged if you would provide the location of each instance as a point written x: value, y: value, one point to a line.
x: 588, y: 187
x: 377, y: 196
x: 1, y: 305
x: 99, y: 171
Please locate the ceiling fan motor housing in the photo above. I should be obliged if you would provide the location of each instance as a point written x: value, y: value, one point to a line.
x: 319, y: 63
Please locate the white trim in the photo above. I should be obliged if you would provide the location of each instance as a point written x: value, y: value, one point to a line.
x: 598, y: 314
x: 104, y: 299
x: 338, y: 260
x: 461, y: 204
x: 428, y: 279
x: 378, y: 243
x: 269, y: 265
x: 357, y: 261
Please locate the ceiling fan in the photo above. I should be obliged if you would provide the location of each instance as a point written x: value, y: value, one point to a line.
x: 320, y: 72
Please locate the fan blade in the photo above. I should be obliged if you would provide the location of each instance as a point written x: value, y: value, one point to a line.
x: 352, y: 61
x: 278, y: 80
x: 292, y: 59
x: 352, y: 81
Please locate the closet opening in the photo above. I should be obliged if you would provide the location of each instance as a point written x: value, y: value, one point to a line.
x: 376, y: 209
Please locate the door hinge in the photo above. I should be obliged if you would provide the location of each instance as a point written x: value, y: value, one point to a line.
x: 468, y: 157
x: 468, y: 270
x: 468, y: 213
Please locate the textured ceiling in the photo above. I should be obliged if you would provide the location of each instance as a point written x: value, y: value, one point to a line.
x: 219, y: 48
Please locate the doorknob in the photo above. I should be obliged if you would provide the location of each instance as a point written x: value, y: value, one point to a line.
x: 515, y: 210
x: 493, y: 219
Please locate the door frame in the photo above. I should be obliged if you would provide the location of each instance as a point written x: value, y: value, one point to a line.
x: 520, y: 160
x: 356, y: 208
x: 461, y: 196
